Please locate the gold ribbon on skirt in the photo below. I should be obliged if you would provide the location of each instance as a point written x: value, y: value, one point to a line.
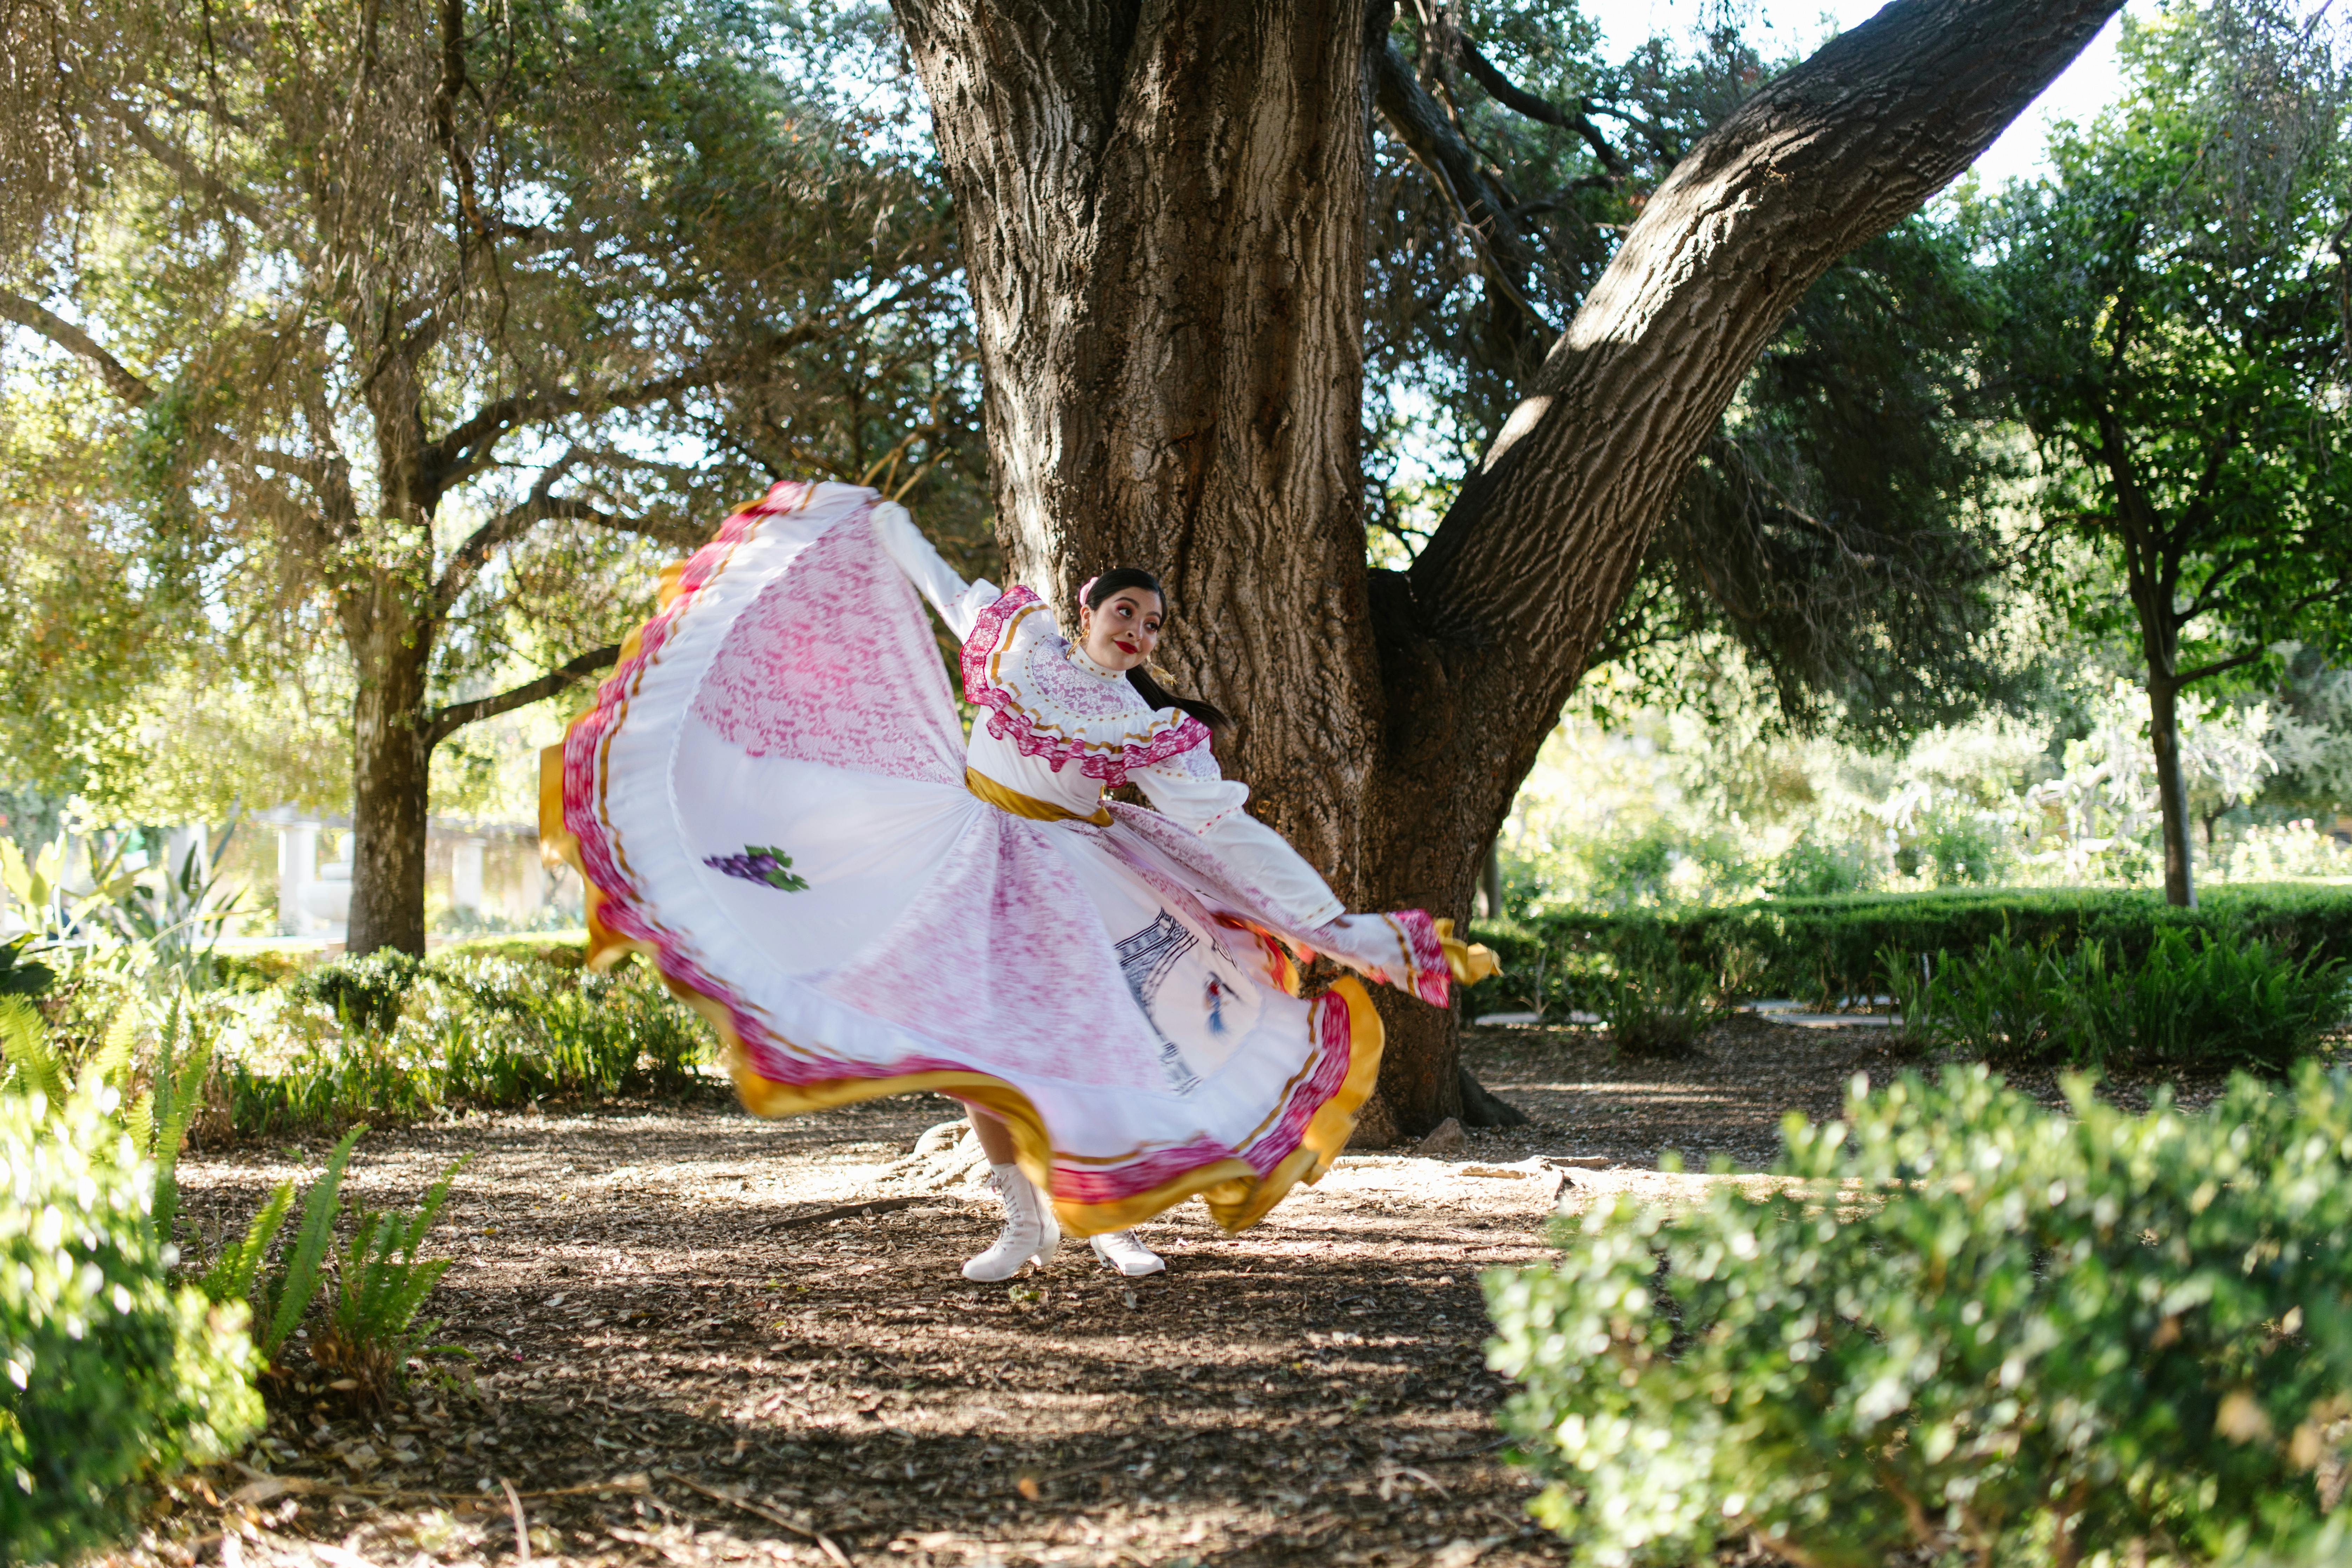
x: 1029, y: 806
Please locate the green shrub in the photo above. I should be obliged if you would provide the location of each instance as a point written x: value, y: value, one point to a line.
x: 261, y: 968
x: 364, y: 993
x: 465, y: 1031
x: 557, y: 950
x: 1661, y: 1006
x: 1968, y: 1328
x: 1824, y: 949
x: 536, y: 1032
x: 2194, y: 999
x: 113, y: 1375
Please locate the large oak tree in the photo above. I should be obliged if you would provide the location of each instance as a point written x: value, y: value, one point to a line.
x: 1163, y: 214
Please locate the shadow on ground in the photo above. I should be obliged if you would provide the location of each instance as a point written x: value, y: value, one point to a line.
x: 668, y: 1369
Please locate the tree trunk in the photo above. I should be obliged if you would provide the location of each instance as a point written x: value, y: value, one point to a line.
x: 1163, y: 219
x: 390, y: 776
x: 2171, y: 789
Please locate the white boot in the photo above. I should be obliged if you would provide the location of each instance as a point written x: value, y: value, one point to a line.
x: 1122, y: 1251
x: 1030, y: 1230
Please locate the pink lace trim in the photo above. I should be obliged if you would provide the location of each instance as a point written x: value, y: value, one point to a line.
x: 1108, y: 762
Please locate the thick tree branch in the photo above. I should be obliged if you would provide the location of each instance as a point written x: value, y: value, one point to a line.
x: 2335, y: 590
x: 510, y: 524
x: 66, y: 335
x: 1420, y: 124
x: 1543, y: 541
x: 467, y: 449
x: 1519, y: 101
x: 2218, y: 666
x: 441, y: 722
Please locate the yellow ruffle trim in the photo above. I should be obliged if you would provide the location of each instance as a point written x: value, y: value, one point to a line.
x: 1471, y: 961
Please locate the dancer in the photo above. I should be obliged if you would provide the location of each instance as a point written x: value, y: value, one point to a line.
x: 770, y: 799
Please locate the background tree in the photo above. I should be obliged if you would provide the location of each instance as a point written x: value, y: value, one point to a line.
x: 439, y: 326
x: 2176, y: 337
x: 1164, y: 222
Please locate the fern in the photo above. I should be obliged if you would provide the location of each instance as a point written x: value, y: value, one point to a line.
x: 169, y: 1106
x: 284, y: 1298
x: 37, y: 1066
x: 233, y: 1273
x: 112, y: 1060
x: 374, y: 1329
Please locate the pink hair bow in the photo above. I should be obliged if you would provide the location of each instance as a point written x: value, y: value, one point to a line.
x: 1087, y: 588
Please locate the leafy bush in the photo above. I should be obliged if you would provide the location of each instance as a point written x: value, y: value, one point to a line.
x: 114, y: 1376
x: 1825, y: 949
x: 366, y: 993
x: 1660, y: 1008
x: 1813, y: 867
x: 552, y: 1033
x: 2194, y: 999
x: 1965, y: 1326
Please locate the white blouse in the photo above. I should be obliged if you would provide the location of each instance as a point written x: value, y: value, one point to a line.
x: 1098, y: 709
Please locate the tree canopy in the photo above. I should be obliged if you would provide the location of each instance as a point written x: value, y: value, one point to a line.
x: 432, y: 330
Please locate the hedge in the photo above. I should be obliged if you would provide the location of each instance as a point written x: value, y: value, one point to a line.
x: 1819, y: 950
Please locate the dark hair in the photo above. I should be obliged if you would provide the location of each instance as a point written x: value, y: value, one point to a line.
x: 1158, y: 696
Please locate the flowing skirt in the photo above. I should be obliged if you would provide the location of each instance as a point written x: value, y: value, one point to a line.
x: 768, y: 801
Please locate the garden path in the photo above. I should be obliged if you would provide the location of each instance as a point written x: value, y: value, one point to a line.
x: 671, y: 1371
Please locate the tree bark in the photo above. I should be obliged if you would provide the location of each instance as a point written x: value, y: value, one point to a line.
x: 1164, y: 217
x: 2171, y: 789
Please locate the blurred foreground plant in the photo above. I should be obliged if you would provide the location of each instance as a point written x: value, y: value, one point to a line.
x: 1964, y: 1327
x: 114, y: 1376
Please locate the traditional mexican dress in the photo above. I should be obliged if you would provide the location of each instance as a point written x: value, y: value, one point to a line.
x: 772, y: 799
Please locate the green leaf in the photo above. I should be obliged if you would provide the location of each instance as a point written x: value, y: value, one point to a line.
x: 232, y: 1275
x: 299, y: 1281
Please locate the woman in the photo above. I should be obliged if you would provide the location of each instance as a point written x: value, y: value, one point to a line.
x: 772, y: 799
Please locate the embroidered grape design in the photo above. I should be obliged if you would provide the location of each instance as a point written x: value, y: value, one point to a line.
x: 766, y: 864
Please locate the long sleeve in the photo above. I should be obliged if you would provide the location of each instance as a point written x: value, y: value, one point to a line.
x: 1189, y: 790
x: 958, y: 603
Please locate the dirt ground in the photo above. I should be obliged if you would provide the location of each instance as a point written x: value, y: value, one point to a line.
x: 674, y: 1362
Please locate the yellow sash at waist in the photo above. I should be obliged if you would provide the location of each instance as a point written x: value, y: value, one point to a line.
x: 1029, y: 806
